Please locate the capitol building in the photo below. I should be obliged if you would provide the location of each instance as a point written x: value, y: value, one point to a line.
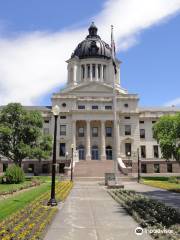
x: 86, y: 119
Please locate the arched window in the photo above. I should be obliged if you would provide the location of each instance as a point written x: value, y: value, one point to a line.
x: 95, y: 153
x: 81, y: 150
x: 108, y: 152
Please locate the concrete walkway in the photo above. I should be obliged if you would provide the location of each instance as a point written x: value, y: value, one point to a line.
x: 90, y: 213
x: 169, y: 198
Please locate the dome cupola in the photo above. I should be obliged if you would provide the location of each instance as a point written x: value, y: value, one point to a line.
x: 92, y: 46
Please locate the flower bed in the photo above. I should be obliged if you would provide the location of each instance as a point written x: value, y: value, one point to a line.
x: 150, y: 214
x: 31, y: 221
x: 6, y: 189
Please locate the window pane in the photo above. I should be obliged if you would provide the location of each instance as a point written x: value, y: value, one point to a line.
x: 94, y: 107
x: 81, y: 132
x: 142, y: 133
x: 156, y: 151
x: 108, y: 107
x: 143, y: 151
x: 128, y: 149
x: 63, y: 130
x: 127, y: 129
x: 156, y: 168
x: 81, y: 107
x: 94, y: 131
x: 143, y: 168
x: 62, y: 149
x: 108, y: 131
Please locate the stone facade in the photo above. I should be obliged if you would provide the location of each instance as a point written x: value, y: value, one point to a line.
x: 86, y: 118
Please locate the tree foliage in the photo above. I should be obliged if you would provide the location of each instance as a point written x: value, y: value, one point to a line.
x: 21, y: 134
x: 167, y: 133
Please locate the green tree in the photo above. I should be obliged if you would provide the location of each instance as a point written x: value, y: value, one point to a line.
x: 167, y: 133
x: 21, y: 134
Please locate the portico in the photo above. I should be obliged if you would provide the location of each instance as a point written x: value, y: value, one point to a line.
x: 93, y: 138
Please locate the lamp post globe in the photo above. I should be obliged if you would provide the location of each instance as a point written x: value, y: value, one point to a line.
x: 52, y: 201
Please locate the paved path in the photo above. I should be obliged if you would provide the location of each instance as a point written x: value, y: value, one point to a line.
x: 169, y: 198
x: 90, y: 213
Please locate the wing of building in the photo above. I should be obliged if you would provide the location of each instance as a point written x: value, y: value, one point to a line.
x: 86, y: 119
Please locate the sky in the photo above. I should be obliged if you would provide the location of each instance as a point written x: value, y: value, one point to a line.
x: 38, y: 36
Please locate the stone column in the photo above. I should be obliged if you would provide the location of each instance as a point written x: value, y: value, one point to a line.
x: 96, y: 72
x: 85, y: 73
x: 103, y: 141
x: 75, y: 75
x: 118, y: 138
x: 88, y: 140
x: 101, y: 73
x: 74, y: 134
x: 90, y: 72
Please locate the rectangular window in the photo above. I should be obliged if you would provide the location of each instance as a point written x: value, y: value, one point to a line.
x: 142, y: 133
x: 153, y: 122
x: 143, y: 168
x: 62, y: 149
x: 95, y: 131
x: 46, y: 121
x: 104, y: 71
x: 93, y: 70
x: 62, y: 130
x: 126, y: 105
x: 94, y: 107
x: 83, y: 71
x: 99, y: 70
x: 81, y: 107
x: 141, y: 122
x: 169, y: 167
x: 108, y: 131
x: 128, y: 149
x: 156, y: 151
x: 46, y: 131
x: 88, y: 71
x: 127, y: 129
x: 81, y: 132
x: 62, y: 117
x: 127, y: 117
x: 143, y: 151
x: 156, y: 168
x: 108, y: 107
x: 5, y: 166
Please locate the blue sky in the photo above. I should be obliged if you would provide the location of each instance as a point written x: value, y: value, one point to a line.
x: 150, y: 67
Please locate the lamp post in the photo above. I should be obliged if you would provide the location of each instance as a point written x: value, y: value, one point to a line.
x: 72, y: 148
x: 138, y: 165
x: 52, y: 201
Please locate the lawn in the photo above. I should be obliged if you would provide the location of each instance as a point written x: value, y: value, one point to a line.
x: 14, y: 203
x: 161, y: 182
x: 29, y: 182
x: 33, y: 216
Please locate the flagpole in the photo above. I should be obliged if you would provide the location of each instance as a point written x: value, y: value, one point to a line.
x: 114, y: 105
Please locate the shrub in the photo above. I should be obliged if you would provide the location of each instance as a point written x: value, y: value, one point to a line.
x: 173, y: 179
x: 14, y: 174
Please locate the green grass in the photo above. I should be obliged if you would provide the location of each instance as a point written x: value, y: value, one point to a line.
x: 15, y: 203
x: 161, y: 183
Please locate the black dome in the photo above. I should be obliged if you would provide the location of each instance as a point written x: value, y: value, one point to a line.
x: 92, y: 46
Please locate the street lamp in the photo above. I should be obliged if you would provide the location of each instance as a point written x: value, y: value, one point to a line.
x: 72, y: 148
x: 52, y: 201
x: 138, y: 165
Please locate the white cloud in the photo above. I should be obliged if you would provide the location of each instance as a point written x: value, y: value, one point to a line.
x: 33, y: 64
x: 174, y: 102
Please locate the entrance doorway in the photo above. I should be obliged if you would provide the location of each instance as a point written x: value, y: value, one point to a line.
x: 81, y: 152
x: 108, y: 152
x: 95, y: 153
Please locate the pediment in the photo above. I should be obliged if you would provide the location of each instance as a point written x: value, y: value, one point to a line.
x: 92, y: 87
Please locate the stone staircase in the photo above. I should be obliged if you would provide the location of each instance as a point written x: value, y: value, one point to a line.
x: 95, y: 170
